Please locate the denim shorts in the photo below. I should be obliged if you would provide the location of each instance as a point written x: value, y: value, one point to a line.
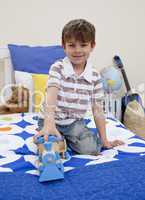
x: 78, y: 137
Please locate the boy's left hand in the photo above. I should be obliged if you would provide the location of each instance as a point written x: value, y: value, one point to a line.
x: 109, y: 145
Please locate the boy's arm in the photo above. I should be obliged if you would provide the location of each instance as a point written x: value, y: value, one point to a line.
x: 49, y: 113
x: 99, y: 118
x: 100, y: 123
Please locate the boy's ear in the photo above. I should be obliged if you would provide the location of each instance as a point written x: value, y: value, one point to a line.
x: 93, y: 45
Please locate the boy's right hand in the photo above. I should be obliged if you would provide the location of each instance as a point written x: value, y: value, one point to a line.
x: 54, y: 132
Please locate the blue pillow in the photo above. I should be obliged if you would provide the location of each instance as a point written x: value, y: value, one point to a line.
x: 36, y: 59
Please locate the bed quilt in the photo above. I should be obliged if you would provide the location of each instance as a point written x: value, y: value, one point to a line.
x: 117, y: 173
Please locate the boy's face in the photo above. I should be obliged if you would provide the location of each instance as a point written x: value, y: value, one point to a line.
x: 78, y: 52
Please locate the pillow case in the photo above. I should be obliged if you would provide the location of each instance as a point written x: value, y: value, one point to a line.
x: 34, y: 59
x: 39, y: 81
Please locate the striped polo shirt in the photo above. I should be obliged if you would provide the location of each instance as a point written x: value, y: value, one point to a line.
x: 76, y: 93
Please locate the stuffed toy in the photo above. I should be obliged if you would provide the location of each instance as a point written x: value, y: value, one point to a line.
x: 18, y: 101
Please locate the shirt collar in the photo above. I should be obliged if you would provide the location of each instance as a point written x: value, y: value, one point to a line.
x: 68, y: 70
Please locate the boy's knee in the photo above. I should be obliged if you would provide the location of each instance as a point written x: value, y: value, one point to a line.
x: 88, y: 145
x: 82, y: 140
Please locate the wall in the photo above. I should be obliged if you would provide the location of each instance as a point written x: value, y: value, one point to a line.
x: 120, y: 28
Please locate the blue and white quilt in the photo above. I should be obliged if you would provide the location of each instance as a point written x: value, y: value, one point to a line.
x: 18, y: 163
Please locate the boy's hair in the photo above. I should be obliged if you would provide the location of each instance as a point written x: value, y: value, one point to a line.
x: 79, y: 29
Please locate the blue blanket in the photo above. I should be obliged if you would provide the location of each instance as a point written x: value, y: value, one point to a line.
x: 117, y: 173
x: 119, y: 180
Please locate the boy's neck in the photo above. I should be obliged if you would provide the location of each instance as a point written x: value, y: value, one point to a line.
x: 79, y: 69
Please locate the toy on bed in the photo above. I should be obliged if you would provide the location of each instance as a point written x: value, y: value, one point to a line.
x: 18, y: 101
x: 50, y: 155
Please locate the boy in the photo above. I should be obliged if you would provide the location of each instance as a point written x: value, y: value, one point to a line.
x: 73, y: 87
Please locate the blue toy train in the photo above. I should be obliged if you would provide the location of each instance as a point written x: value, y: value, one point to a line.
x: 50, y: 154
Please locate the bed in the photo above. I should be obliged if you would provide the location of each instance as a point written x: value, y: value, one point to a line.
x: 117, y: 173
